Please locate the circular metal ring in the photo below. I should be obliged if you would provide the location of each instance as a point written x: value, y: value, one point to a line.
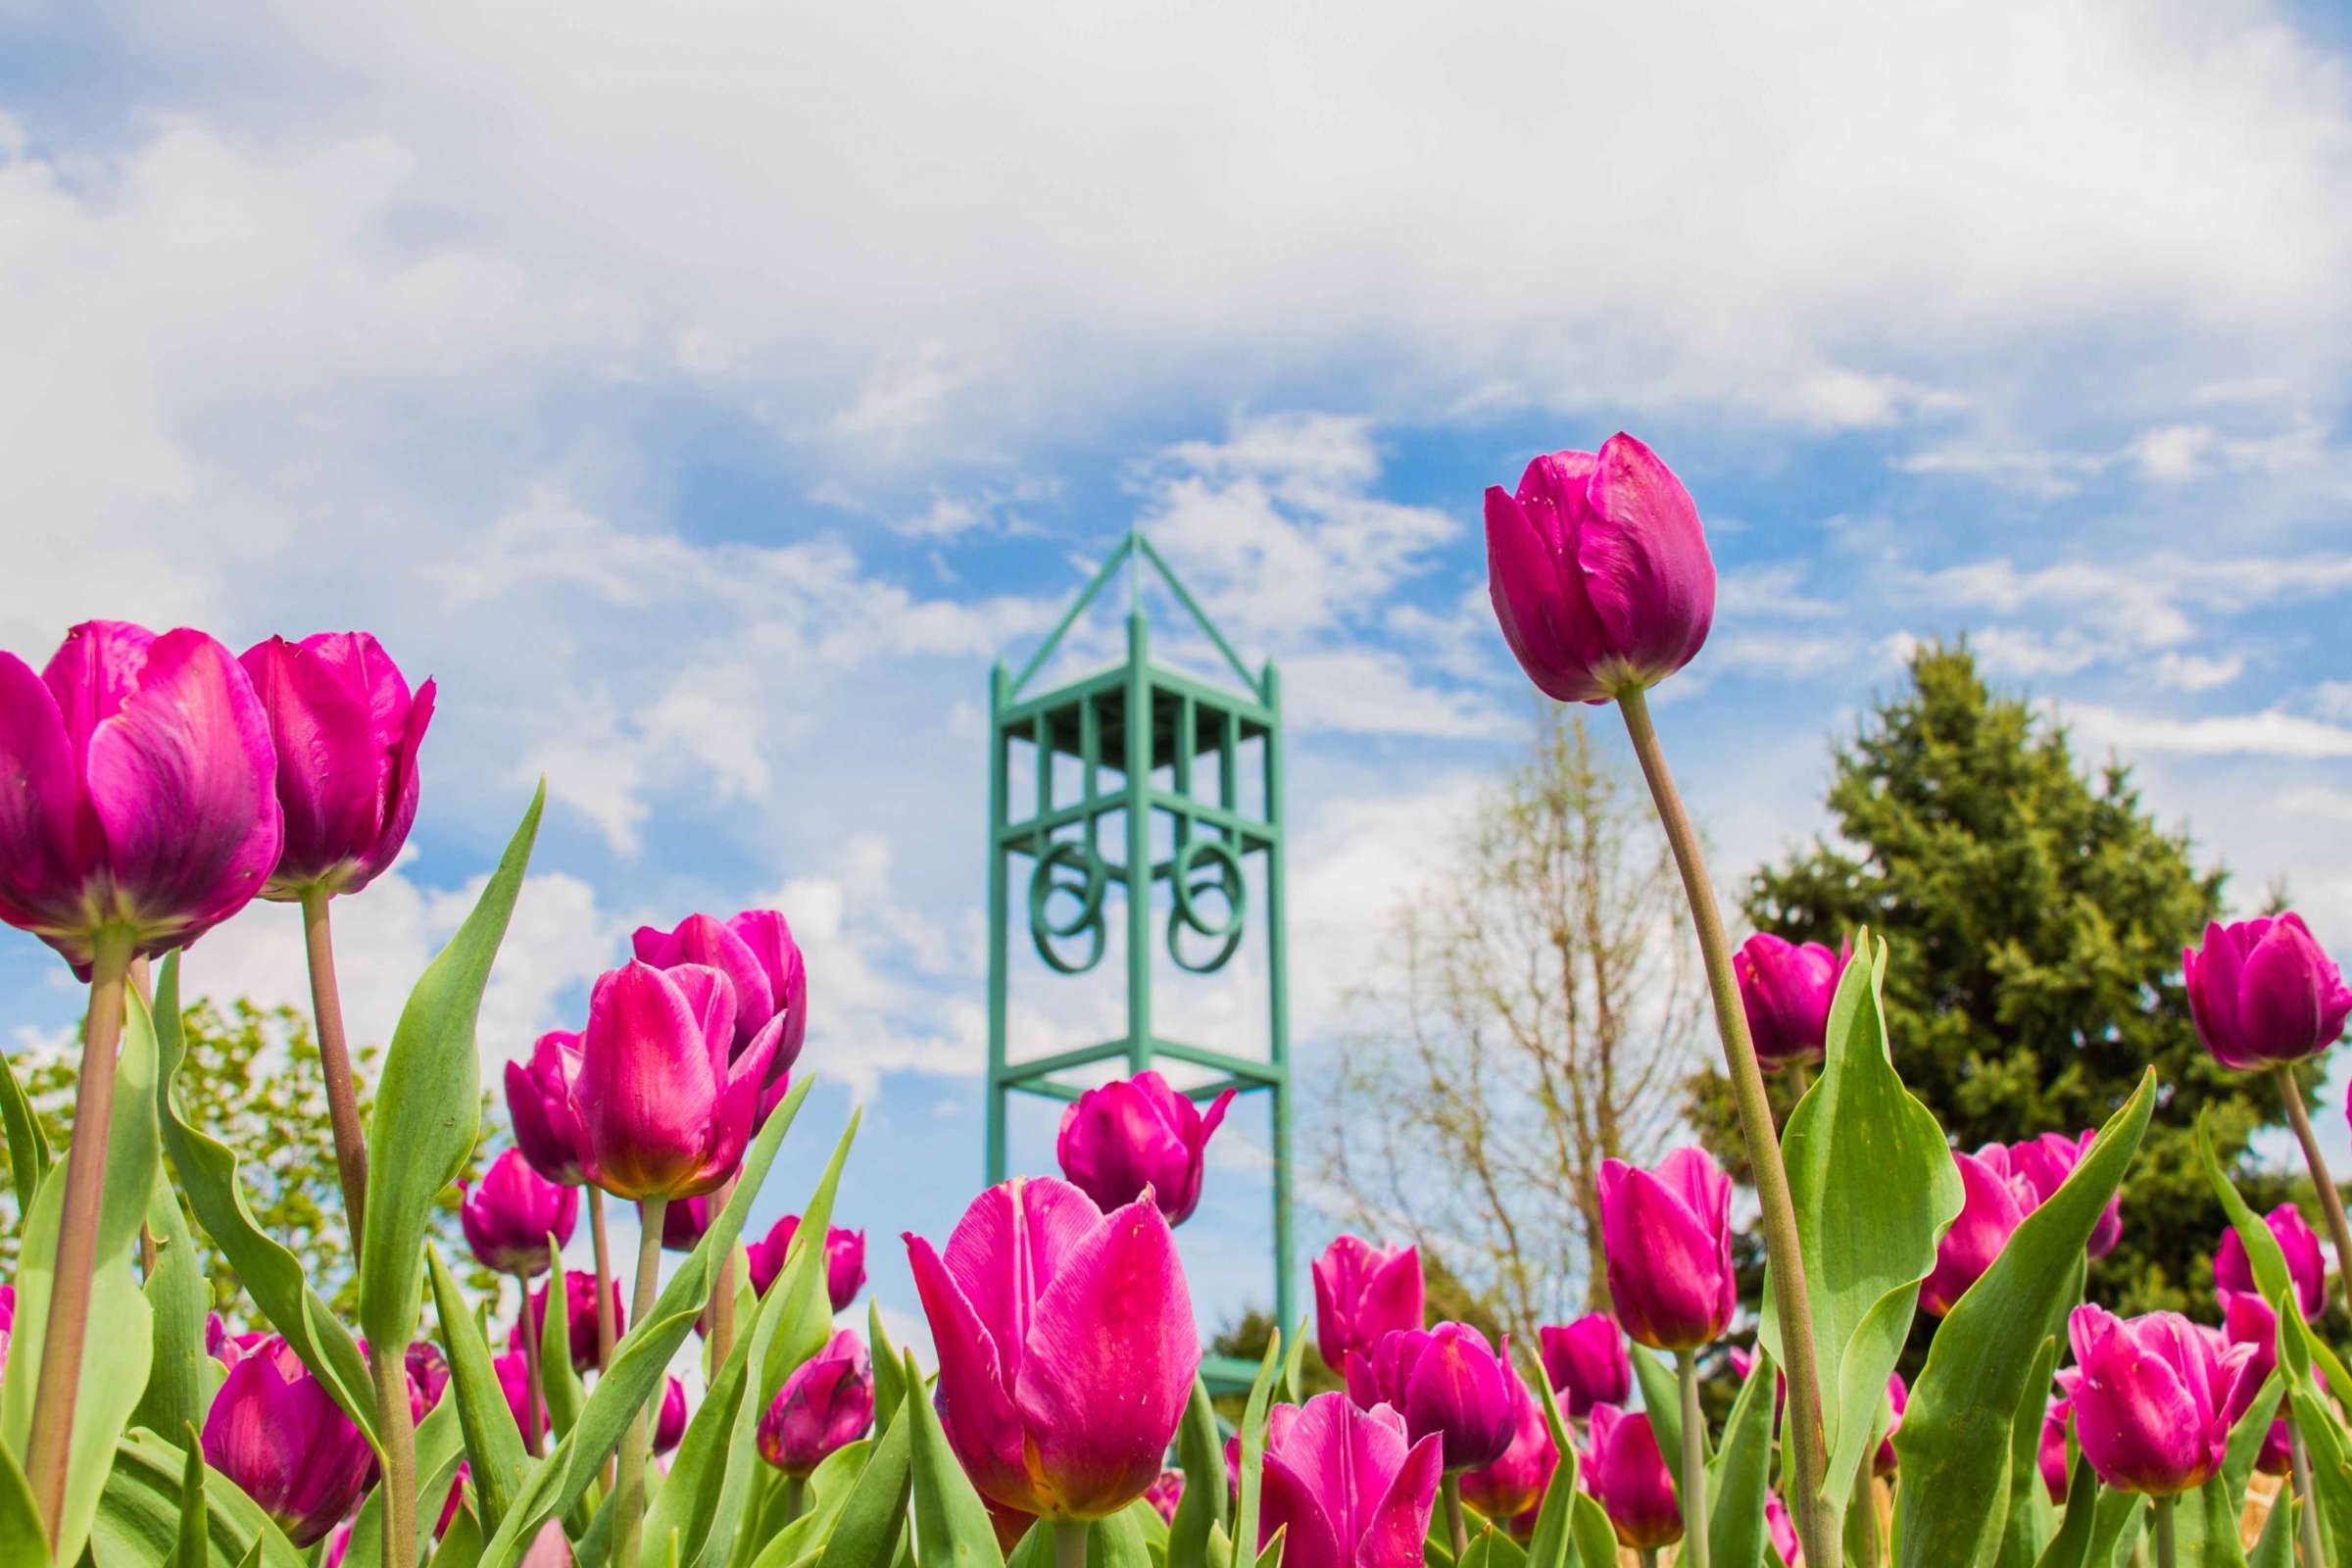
x: 1224, y: 879
x: 1075, y: 854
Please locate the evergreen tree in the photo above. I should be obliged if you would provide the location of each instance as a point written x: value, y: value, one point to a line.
x: 2037, y: 917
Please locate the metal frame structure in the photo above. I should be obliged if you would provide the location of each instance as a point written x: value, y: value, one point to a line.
x: 1142, y: 773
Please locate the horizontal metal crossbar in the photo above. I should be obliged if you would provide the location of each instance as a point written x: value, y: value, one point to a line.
x: 1238, y: 1071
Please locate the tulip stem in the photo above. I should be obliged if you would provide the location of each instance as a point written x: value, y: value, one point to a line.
x: 1069, y: 1543
x: 796, y: 1497
x: 2332, y: 1201
x: 2306, y: 1516
x: 395, y: 1436
x: 1694, y: 1463
x: 64, y: 1332
x: 535, y: 1383
x: 1650, y: 1557
x: 607, y: 1331
x: 723, y: 1291
x: 1783, y: 1249
x: 2168, y: 1551
x: 334, y: 1060
x: 1456, y: 1530
x: 1873, y: 1550
x: 630, y: 1496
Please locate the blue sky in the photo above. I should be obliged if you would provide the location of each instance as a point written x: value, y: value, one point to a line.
x: 707, y: 395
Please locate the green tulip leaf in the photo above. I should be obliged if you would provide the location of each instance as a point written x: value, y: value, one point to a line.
x: 1553, y: 1537
x: 440, y: 1448
x: 2029, y: 1523
x: 828, y: 1493
x: 140, y: 1509
x: 2276, y: 1546
x: 2070, y: 1548
x: 194, y: 1547
x: 1662, y: 1402
x: 2116, y: 1525
x: 2247, y: 1437
x: 1200, y: 1455
x: 28, y: 1154
x: 1737, y: 1480
x: 1294, y: 1365
x: 461, y: 1546
x: 805, y: 1309
x: 2205, y: 1526
x: 180, y: 1370
x: 485, y: 1420
x: 2331, y: 1463
x: 559, y: 1379
x: 890, y: 1382
x: 1493, y: 1549
x: 1118, y: 1542
x: 1253, y: 1446
x: 949, y: 1519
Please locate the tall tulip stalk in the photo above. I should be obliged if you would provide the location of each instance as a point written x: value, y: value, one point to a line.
x: 1604, y: 586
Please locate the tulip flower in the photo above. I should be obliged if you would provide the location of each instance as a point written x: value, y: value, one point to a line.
x: 539, y: 1104
x: 8, y: 1321
x: 2051, y: 1456
x: 509, y: 1215
x: 2152, y: 1407
x: 1448, y: 1380
x: 1993, y: 1203
x: 1628, y: 1474
x: 663, y: 1110
x: 1164, y: 1493
x: 2306, y: 1263
x: 2044, y: 1163
x: 275, y: 1431
x: 1898, y: 1396
x: 2247, y: 1319
x: 1349, y: 1486
x: 1066, y: 1345
x: 845, y: 1261
x: 2263, y: 993
x: 428, y: 1375
x: 1668, y: 1237
x: 827, y: 1404
x: 515, y: 1381
x: 1786, y: 989
x: 141, y: 797
x: 1514, y: 1483
x: 1586, y: 1362
x: 755, y: 951
x: 579, y: 1303
x: 1782, y: 1530
x: 1361, y: 1294
x: 1136, y: 1134
x: 669, y: 1423
x: 683, y: 1223
x: 346, y: 731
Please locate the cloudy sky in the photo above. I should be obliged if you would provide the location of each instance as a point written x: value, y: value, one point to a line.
x: 707, y: 395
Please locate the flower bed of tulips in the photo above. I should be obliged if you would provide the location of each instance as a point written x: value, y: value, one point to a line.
x: 152, y: 786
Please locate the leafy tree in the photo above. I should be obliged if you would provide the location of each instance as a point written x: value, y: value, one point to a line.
x: 2037, y: 917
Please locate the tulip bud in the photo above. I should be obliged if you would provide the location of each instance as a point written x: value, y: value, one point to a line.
x: 2044, y: 1163
x: 1993, y: 1203
x: 1136, y: 1134
x: 1066, y: 1345
x: 579, y: 1304
x: 1668, y: 1237
x: 1165, y: 1493
x: 2306, y: 1263
x: 845, y: 1261
x: 139, y: 790
x: 1599, y: 572
x: 346, y: 732
x: 1586, y: 1362
x: 2152, y: 1406
x: 1350, y: 1487
x: 2263, y: 993
x: 275, y: 1431
x: 8, y: 1321
x: 509, y: 1217
x: 1362, y: 1294
x: 539, y: 1104
x: 1628, y: 1474
x: 683, y: 1223
x: 2051, y: 1457
x: 1785, y: 990
x: 669, y: 1423
x: 1514, y: 1483
x: 428, y: 1375
x: 1447, y: 1379
x: 663, y: 1110
x: 755, y: 951
x: 827, y: 1404
x: 513, y: 1371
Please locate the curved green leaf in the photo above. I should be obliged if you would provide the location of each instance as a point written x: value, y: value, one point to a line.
x: 485, y: 1421
x: 1118, y: 1542
x: 194, y: 1549
x: 949, y: 1519
x: 890, y: 1383
x: 1736, y: 1481
x: 28, y: 1154
x: 1553, y: 1537
x: 559, y: 1380
x: 1200, y: 1454
x: 2070, y: 1548
x: 875, y: 1510
x: 1253, y: 1447
x: 138, y: 1520
x: 2031, y: 1517
x: 180, y: 1373
x: 440, y: 1448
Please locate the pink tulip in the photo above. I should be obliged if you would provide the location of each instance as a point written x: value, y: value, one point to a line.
x: 1993, y: 1203
x: 1668, y: 1237
x: 2247, y: 1319
x: 1165, y: 1493
x: 509, y: 1215
x: 1350, y: 1487
x: 2263, y: 993
x: 2152, y: 1407
x: 1586, y: 1362
x: 1066, y: 1345
x: 845, y: 1261
x: 1362, y: 1292
x: 1599, y: 572
x: 428, y: 1375
x: 670, y: 1422
x: 139, y: 793
x: 2306, y: 1263
x: 827, y: 1404
x: 579, y: 1300
x: 683, y: 1223
x: 1447, y: 1379
x: 2044, y: 1163
x: 1626, y: 1473
x: 276, y: 1433
x: 755, y: 951
x: 346, y: 732
x: 513, y: 1371
x: 226, y: 1347
x: 539, y: 1104
x: 2051, y: 1458
x: 1782, y: 1530
x: 1136, y: 1134
x: 1898, y: 1396
x: 663, y: 1110
x: 1511, y: 1484
x: 8, y: 1321
x: 1785, y: 990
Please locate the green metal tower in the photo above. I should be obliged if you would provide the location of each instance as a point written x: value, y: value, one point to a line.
x: 1141, y: 785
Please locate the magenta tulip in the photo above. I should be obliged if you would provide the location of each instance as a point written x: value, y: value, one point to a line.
x: 2152, y: 1407
x: 2051, y: 1457
x: 1586, y: 1362
x: 1066, y: 1345
x: 845, y: 1261
x: 2263, y: 993
x: 8, y: 1321
x: 428, y: 1375
x: 1993, y: 1203
x: 1165, y: 1493
x: 1782, y: 1530
x: 2247, y: 1319
x: 663, y: 1110
x: 2306, y: 1263
x: 2046, y: 1162
x: 346, y: 731
x: 1898, y: 1396
x: 513, y: 1371
x: 1514, y: 1483
x: 1136, y: 1134
x: 1786, y: 989
x: 276, y: 1433
x: 1350, y: 1487
x: 1626, y: 1473
x: 579, y: 1303
x: 1447, y: 1379
x: 755, y: 951
x: 683, y: 1223
x: 539, y: 1104
x: 1362, y: 1294
x: 140, y: 794
x: 1599, y: 572
x: 508, y: 1216
x: 1668, y: 1237
x: 827, y: 1404
x: 670, y: 1422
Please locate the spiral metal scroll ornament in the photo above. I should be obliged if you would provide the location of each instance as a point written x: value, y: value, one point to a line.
x: 1053, y: 874
x: 1202, y: 868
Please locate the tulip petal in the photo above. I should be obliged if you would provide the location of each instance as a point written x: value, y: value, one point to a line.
x: 333, y: 768
x: 400, y: 805
x: 2136, y: 1421
x: 1290, y: 1501
x: 975, y: 1407
x: 1392, y: 1537
x: 702, y: 940
x: 42, y: 863
x: 1539, y: 598
x: 1013, y: 1241
x: 2279, y: 995
x: 647, y: 1083
x: 94, y: 671
x: 1648, y: 572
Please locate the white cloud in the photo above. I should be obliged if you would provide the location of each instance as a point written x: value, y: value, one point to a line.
x: 2270, y: 733
x: 2198, y: 673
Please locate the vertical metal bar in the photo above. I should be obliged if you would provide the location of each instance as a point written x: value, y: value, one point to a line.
x: 1090, y: 747
x: 1138, y: 842
x: 999, y: 758
x: 1278, y: 995
x: 1187, y: 722
x: 1229, y: 783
